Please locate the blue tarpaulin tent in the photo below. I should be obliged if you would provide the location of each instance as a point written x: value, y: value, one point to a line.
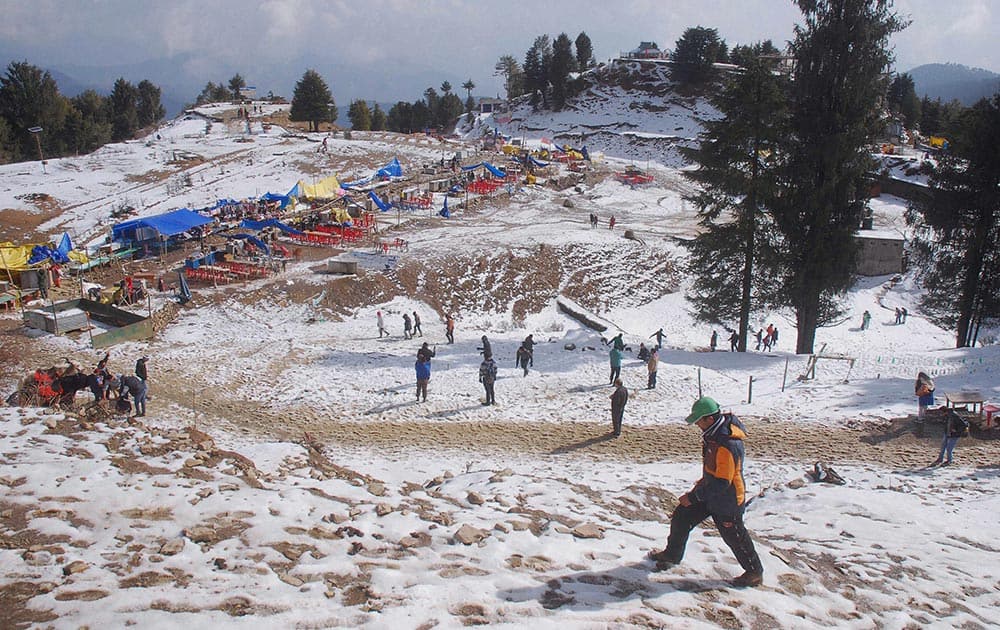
x: 489, y: 167
x: 536, y: 162
x: 259, y: 244
x: 444, y: 211
x: 284, y: 199
x: 383, y: 206
x: 392, y: 169
x: 150, y: 228
x: 260, y: 225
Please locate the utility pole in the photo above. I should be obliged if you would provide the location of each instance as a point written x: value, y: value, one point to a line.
x: 36, y: 131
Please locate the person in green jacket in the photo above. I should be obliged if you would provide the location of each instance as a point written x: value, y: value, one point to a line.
x: 616, y: 364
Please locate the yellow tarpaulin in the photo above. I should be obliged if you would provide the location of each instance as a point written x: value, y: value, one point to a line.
x: 324, y: 189
x: 15, y: 257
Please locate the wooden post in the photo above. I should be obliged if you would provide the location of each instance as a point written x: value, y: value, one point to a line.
x: 750, y: 390
x: 90, y: 328
x: 784, y: 377
x: 699, y: 382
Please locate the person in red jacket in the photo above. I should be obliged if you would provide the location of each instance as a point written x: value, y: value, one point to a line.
x: 720, y: 493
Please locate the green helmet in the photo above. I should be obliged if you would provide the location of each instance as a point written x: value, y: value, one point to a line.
x: 704, y: 406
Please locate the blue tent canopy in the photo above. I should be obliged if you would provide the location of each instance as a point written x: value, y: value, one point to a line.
x: 169, y: 224
x: 536, y: 162
x: 41, y: 252
x: 260, y: 225
x: 261, y: 245
x: 392, y: 169
x: 383, y: 206
x: 489, y: 167
x: 364, y: 181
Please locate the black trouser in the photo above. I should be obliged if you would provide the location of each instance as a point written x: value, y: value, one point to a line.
x: 733, y: 532
x: 651, y: 382
x: 422, y: 387
x: 416, y: 330
x: 524, y: 365
x: 616, y: 419
x: 616, y: 371
x: 490, y: 396
x: 451, y: 336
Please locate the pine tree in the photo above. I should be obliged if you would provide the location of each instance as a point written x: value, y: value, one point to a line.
x: 536, y: 70
x: 149, y: 110
x: 123, y: 102
x: 513, y: 76
x: 739, y: 170
x: 841, y: 54
x: 378, y: 118
x: 562, y: 64
x: 29, y: 97
x: 468, y: 86
x: 584, y: 52
x: 360, y: 116
x: 959, y: 228
x: 312, y: 101
x: 694, y: 53
x: 236, y: 85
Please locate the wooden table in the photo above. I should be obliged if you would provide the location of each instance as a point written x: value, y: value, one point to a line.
x: 973, y: 401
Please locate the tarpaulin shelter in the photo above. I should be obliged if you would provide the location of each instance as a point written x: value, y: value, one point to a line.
x: 496, y: 172
x: 383, y: 206
x: 324, y: 189
x: 444, y: 211
x: 259, y: 244
x: 158, y: 227
x: 364, y: 181
x: 23, y: 257
x: 392, y: 169
x: 283, y: 199
x: 260, y: 225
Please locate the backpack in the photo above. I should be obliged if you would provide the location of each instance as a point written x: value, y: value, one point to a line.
x: 959, y: 425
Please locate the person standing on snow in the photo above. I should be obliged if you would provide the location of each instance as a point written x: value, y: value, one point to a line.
x: 759, y: 337
x: 449, y: 328
x: 617, y: 342
x: 719, y: 493
x: 137, y: 389
x: 923, y: 389
x: 652, y: 364
x: 522, y: 358
x: 486, y: 350
x: 416, y: 325
x: 618, y: 399
x: 866, y: 319
x: 488, y: 377
x: 381, y: 325
x: 425, y: 352
x: 955, y: 428
x: 529, y: 345
x: 734, y: 341
x: 714, y: 341
x: 423, y: 370
x: 615, y: 357
x: 407, y: 326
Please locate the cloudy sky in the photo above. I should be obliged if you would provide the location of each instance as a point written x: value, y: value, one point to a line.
x: 380, y: 49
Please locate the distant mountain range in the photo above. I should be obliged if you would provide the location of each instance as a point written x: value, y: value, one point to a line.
x: 952, y: 81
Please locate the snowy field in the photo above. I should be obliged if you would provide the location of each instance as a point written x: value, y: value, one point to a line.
x: 315, y: 492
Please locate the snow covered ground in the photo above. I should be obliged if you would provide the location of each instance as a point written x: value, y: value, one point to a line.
x: 315, y: 492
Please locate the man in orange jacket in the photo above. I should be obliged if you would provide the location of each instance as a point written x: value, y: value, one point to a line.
x: 719, y: 494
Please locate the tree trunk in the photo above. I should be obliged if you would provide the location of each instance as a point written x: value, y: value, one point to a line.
x: 968, y: 291
x: 806, y: 316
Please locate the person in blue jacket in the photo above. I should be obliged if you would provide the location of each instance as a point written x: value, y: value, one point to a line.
x: 423, y: 369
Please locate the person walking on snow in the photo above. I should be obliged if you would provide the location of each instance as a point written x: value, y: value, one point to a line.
x: 734, y: 341
x: 485, y: 349
x: 425, y: 352
x: 719, y: 493
x: 659, y: 334
x: 522, y: 358
x: 611, y: 222
x: 899, y: 315
x: 618, y: 399
x: 529, y: 345
x: 423, y: 370
x: 617, y: 342
x: 652, y: 364
x: 714, y: 341
x: 902, y: 312
x: 956, y: 427
x: 774, y: 337
x: 137, y: 389
x: 866, y: 319
x: 923, y: 389
x: 488, y: 377
x: 407, y: 326
x: 616, y: 364
x: 449, y: 328
x: 759, y: 337
x: 381, y: 325
x: 416, y: 325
